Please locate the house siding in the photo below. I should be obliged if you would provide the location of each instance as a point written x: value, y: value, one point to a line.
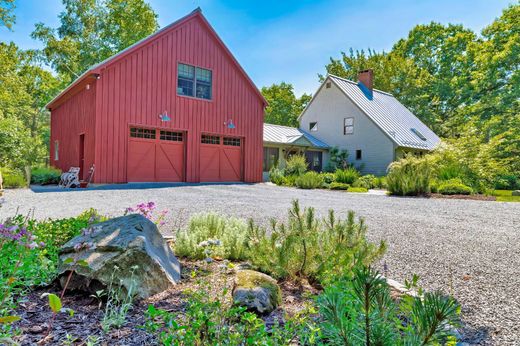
x: 329, y: 108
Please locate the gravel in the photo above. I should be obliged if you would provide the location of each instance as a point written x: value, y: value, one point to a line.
x: 468, y: 248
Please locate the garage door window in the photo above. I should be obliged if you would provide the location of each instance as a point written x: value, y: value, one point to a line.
x: 171, y: 136
x: 137, y: 132
x: 235, y: 142
x: 206, y: 139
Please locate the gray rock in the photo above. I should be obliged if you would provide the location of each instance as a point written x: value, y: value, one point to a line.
x: 128, y: 251
x: 516, y: 193
x: 256, y: 291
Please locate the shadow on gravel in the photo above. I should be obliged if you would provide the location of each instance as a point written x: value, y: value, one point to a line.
x: 125, y: 186
x: 475, y: 335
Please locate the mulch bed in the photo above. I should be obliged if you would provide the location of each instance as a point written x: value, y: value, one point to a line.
x: 471, y: 197
x: 214, y: 278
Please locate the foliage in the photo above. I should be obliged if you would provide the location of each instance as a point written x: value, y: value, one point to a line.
x: 289, y: 180
x: 207, y: 321
x: 91, y: 31
x: 283, y: 106
x: 12, y: 179
x: 346, y: 176
x: 45, y: 175
x: 368, y: 181
x: 7, y: 18
x: 454, y: 187
x: 296, y: 165
x: 338, y: 159
x: 309, y: 180
x: 147, y: 209
x: 357, y: 189
x: 505, y: 196
x: 357, y: 309
x: 212, y: 235
x: 507, y: 182
x: 119, y: 302
x: 305, y: 247
x: 276, y: 175
x: 410, y: 176
x: 339, y: 186
x: 328, y: 178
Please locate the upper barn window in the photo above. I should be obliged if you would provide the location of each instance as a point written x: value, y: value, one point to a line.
x: 194, y: 81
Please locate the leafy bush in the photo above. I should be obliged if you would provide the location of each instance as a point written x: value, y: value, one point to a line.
x: 339, y: 186
x: 307, y: 247
x: 276, y: 176
x: 328, y: 178
x: 13, y: 179
x: 346, y: 176
x: 338, y: 159
x: 410, y: 176
x: 296, y: 165
x: 357, y: 189
x: 289, y: 180
x: 212, y: 235
x: 45, y: 175
x: 359, y: 307
x: 368, y: 181
x: 309, y: 180
x: 507, y: 182
x: 454, y: 187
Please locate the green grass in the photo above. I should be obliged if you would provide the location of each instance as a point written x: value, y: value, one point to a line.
x: 505, y: 196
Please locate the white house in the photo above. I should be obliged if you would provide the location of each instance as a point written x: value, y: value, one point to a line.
x: 372, y: 125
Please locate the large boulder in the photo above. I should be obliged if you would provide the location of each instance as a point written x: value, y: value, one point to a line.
x: 128, y: 251
x: 256, y: 291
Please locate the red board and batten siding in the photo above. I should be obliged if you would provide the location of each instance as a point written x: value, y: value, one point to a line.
x: 138, y: 85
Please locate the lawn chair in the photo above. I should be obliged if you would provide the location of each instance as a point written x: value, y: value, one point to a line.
x: 85, y: 183
x: 70, y: 179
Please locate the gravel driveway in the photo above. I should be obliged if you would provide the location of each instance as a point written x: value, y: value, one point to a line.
x: 469, y: 248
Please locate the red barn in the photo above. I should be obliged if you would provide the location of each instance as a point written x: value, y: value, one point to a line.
x: 175, y: 106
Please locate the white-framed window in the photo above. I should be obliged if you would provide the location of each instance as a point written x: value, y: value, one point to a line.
x: 359, y: 154
x: 194, y: 81
x: 313, y: 127
x: 348, y: 126
x: 56, y: 150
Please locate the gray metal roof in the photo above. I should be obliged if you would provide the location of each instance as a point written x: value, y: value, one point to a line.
x: 291, y: 135
x: 401, y: 125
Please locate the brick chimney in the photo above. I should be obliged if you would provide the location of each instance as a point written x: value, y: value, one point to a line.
x: 367, y: 78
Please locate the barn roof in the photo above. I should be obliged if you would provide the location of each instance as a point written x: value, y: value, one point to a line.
x: 95, y: 70
x: 390, y: 115
x: 279, y: 134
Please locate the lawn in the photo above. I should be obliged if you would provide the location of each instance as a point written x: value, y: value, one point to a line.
x: 505, y: 196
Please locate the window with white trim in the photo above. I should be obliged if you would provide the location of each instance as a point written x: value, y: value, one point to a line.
x: 194, y: 81
x: 56, y: 150
x: 348, y: 126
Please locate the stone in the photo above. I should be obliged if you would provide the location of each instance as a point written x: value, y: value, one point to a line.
x: 256, y: 291
x: 515, y: 193
x: 128, y: 251
x: 397, y: 289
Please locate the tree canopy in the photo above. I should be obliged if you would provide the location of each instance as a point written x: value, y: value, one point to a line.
x: 284, y: 107
x: 7, y: 17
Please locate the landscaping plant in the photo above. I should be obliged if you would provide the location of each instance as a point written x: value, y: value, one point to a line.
x: 339, y: 186
x: 45, y: 175
x: 119, y: 302
x: 454, y: 187
x: 309, y: 180
x: 338, y: 159
x: 295, y: 165
x: 410, y: 176
x: 346, y: 176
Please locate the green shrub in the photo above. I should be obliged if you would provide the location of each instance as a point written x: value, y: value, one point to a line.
x: 346, y: 176
x: 338, y: 159
x: 211, y: 235
x: 380, y: 183
x: 45, y: 175
x: 410, y: 176
x: 296, y: 165
x: 339, y: 186
x: 276, y: 176
x: 306, y: 247
x: 368, y: 181
x: 454, y: 187
x: 328, y: 178
x: 357, y: 189
x: 507, y: 182
x: 289, y: 180
x: 309, y: 180
x: 13, y: 179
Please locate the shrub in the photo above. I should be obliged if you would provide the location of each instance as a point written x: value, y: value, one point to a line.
x: 368, y: 181
x: 380, y: 183
x: 310, y: 248
x: 454, y: 187
x: 212, y: 235
x: 338, y: 159
x: 339, y: 186
x: 507, y: 182
x: 296, y: 165
x: 13, y: 179
x: 309, y: 180
x: 357, y: 189
x: 409, y: 176
x: 276, y: 176
x: 328, y: 178
x: 289, y: 180
x: 346, y: 176
x: 45, y: 175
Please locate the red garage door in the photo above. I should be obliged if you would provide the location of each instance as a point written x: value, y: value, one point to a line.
x: 155, y: 155
x: 220, y: 158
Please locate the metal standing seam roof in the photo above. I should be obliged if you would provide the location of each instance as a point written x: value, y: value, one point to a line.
x: 290, y: 135
x: 390, y: 115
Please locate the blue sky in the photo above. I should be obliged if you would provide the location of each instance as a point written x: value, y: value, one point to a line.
x: 291, y: 40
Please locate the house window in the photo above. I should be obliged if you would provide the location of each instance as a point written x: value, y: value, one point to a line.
x: 348, y: 126
x: 207, y: 139
x: 313, y: 127
x: 56, y: 150
x: 314, y: 159
x: 170, y: 136
x: 270, y: 158
x: 327, y: 85
x: 137, y: 132
x: 234, y: 142
x: 194, y: 81
x: 358, y: 154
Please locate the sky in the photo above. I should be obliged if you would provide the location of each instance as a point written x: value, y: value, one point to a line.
x: 288, y: 40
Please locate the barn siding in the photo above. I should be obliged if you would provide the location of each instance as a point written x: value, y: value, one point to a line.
x: 68, y: 121
x: 134, y: 90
